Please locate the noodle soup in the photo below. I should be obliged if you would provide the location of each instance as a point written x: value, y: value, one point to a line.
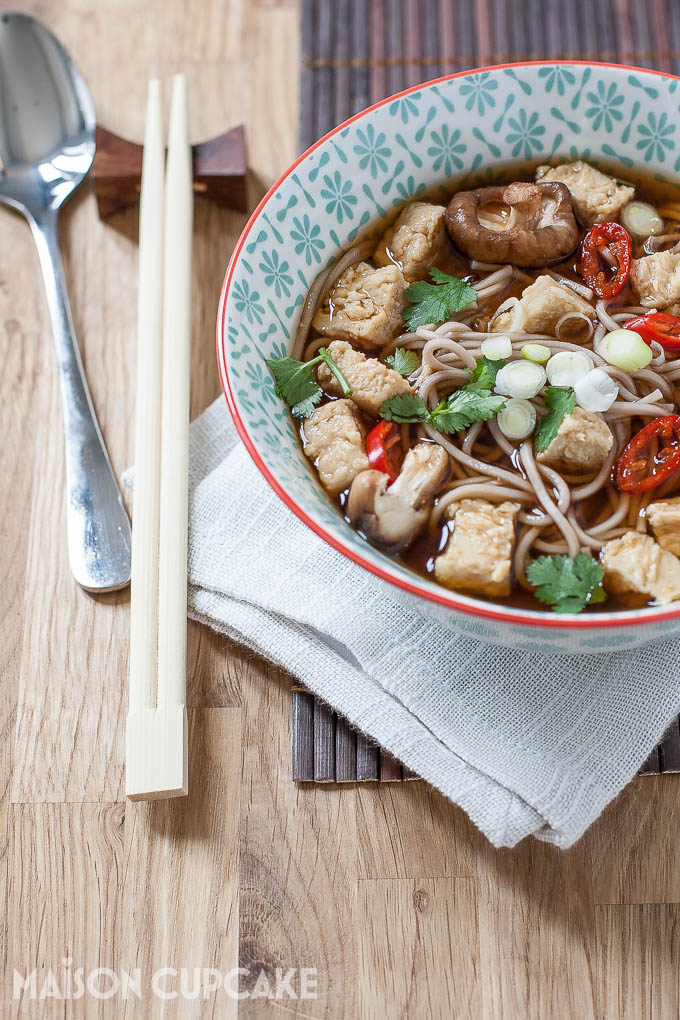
x: 489, y: 392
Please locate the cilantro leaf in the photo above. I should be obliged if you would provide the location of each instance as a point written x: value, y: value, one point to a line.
x: 464, y: 407
x: 485, y: 372
x: 404, y: 407
x: 402, y: 361
x: 436, y: 302
x: 294, y: 381
x: 560, y: 402
x: 567, y: 585
x: 305, y: 408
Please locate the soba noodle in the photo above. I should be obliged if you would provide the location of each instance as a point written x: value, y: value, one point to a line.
x: 559, y: 512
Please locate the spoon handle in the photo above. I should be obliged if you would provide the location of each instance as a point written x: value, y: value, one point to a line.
x: 98, y: 526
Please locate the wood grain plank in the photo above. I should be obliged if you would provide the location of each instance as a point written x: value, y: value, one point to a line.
x: 408, y: 830
x: 631, y: 852
x: 296, y: 874
x: 407, y: 928
x: 179, y: 890
x: 536, y: 935
x: 638, y: 949
x: 22, y: 354
x: 63, y: 902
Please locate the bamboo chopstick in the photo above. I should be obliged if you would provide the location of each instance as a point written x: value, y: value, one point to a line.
x: 156, y: 731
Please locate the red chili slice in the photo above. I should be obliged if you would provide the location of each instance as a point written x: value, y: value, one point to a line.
x: 606, y: 276
x: 383, y: 447
x: 651, y: 456
x: 659, y: 326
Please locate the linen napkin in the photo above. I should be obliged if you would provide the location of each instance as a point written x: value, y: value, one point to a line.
x: 525, y: 743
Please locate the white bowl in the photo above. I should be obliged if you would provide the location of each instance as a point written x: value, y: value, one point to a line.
x: 404, y: 146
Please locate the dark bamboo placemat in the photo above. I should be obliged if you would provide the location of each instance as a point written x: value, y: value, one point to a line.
x: 356, y: 52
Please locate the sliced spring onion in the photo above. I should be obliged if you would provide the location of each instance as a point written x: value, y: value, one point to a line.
x: 497, y: 348
x: 520, y: 379
x: 535, y: 352
x: 517, y: 420
x: 624, y: 348
x: 642, y: 219
x: 596, y: 391
x: 567, y: 367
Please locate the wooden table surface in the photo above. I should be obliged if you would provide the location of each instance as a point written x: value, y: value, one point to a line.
x: 389, y: 892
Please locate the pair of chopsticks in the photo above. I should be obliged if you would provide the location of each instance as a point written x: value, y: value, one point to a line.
x: 156, y: 731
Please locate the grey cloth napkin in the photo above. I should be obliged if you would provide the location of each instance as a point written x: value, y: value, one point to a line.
x: 525, y: 743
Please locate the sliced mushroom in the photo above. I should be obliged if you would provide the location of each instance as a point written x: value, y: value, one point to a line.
x: 393, y: 517
x: 525, y: 224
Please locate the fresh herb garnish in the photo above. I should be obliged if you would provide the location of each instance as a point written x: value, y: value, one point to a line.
x: 560, y: 402
x: 436, y: 302
x: 460, y: 410
x: 294, y: 381
x: 402, y: 361
x: 485, y: 372
x: 567, y: 585
x: 404, y: 408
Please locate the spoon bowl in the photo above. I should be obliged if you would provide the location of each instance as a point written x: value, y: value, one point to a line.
x: 47, y: 144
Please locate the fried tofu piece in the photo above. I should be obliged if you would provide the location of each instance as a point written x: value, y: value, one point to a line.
x: 656, y: 279
x: 414, y: 240
x: 582, y: 443
x: 663, y: 518
x: 334, y: 440
x: 478, y: 555
x: 364, y: 306
x: 372, y: 382
x: 543, y: 303
x: 637, y: 570
x: 596, y: 196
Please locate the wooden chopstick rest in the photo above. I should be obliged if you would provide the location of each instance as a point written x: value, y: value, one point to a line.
x: 219, y: 171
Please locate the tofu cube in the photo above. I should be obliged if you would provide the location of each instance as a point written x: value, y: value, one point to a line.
x: 596, y: 196
x: 637, y: 570
x: 543, y: 303
x: 364, y: 306
x: 478, y: 555
x: 582, y: 443
x: 334, y: 439
x: 372, y: 382
x: 656, y: 279
x: 414, y: 241
x: 663, y: 518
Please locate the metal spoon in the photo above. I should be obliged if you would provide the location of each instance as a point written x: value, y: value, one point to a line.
x: 47, y: 126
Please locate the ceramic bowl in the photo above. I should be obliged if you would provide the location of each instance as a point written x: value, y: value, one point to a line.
x: 410, y: 144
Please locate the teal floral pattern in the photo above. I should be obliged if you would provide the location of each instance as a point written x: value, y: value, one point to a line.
x: 406, y: 108
x: 526, y: 134
x: 557, y: 78
x: 415, y: 145
x: 308, y: 239
x: 276, y: 273
x: 655, y: 137
x: 604, y: 106
x: 447, y: 150
x: 479, y: 92
x: 338, y: 196
x: 372, y: 151
x: 247, y: 301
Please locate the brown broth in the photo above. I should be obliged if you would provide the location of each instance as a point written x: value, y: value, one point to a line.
x: 420, y: 556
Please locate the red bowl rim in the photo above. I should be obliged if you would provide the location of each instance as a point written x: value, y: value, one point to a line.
x: 445, y: 598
